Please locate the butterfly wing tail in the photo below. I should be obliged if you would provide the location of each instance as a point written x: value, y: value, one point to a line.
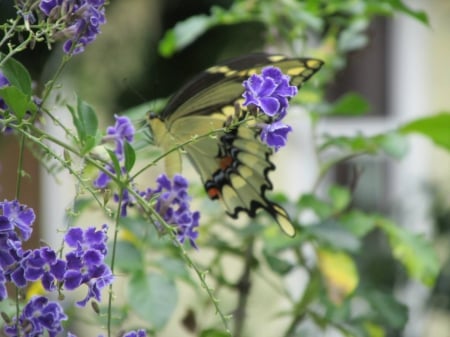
x: 282, y: 218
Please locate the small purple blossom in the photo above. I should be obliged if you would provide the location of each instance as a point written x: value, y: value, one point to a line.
x: 39, y: 316
x: 270, y: 93
x: 11, y: 256
x: 16, y: 215
x: 82, y: 19
x: 128, y: 200
x: 85, y: 262
x: 275, y: 134
x: 135, y: 333
x: 122, y: 131
x: 103, y: 179
x: 172, y: 203
x: 3, y: 290
x: 43, y: 264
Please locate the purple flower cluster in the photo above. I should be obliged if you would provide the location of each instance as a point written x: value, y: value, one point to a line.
x: 38, y: 315
x: 15, y: 226
x: 270, y: 92
x: 172, y: 197
x: 83, y: 264
x: 172, y: 203
x: 82, y: 19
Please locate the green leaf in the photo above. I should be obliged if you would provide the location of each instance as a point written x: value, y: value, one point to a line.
x: 184, y: 33
x: 214, y: 333
x: 333, y: 234
x: 310, y: 201
x: 85, y: 120
x: 354, y: 35
x: 130, y: 156
x: 115, y: 162
x: 436, y: 128
x: 278, y: 265
x: 18, y: 102
x: 350, y: 104
x: 310, y: 294
x: 417, y: 14
x: 373, y: 330
x: 357, y: 222
x: 357, y: 143
x: 387, y: 308
x: 153, y: 297
x: 174, y: 268
x: 340, y: 197
x: 413, y: 251
x: 393, y: 144
x: 17, y: 75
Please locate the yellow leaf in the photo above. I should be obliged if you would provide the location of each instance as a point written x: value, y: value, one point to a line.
x: 35, y: 288
x: 374, y: 330
x: 128, y: 236
x: 339, y: 272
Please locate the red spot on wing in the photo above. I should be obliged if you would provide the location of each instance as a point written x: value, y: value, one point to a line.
x: 213, y: 193
x: 225, y: 162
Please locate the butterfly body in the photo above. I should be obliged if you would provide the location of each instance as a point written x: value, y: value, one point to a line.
x: 231, y: 160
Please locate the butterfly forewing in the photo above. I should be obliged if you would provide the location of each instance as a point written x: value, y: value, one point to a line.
x: 233, y: 165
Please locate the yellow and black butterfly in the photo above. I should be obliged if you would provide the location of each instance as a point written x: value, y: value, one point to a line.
x: 233, y: 164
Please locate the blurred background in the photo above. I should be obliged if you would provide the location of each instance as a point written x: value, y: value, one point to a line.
x: 401, y: 69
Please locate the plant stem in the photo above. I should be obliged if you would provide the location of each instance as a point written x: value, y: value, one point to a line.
x: 243, y: 288
x: 20, y: 166
x: 113, y: 256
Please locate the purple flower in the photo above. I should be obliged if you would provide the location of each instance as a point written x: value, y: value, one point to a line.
x: 128, y: 200
x: 3, y: 290
x: 269, y: 91
x: 16, y: 215
x: 11, y: 256
x: 43, y: 264
x: 121, y: 132
x: 103, y: 179
x: 172, y: 203
x: 85, y: 262
x: 135, y: 333
x: 38, y: 316
x: 275, y: 134
x: 82, y: 19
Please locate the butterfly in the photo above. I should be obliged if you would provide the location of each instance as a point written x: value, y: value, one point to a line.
x: 233, y: 163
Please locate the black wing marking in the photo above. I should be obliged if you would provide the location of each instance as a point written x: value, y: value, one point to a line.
x: 221, y: 85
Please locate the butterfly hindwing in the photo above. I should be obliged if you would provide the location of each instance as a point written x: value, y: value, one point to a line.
x: 233, y: 164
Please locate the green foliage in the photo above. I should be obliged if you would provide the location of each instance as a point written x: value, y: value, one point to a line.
x: 413, y: 250
x: 350, y: 104
x: 18, y: 94
x: 85, y: 120
x: 435, y: 128
x: 153, y: 297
